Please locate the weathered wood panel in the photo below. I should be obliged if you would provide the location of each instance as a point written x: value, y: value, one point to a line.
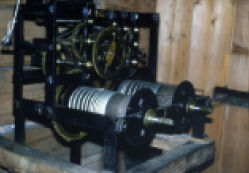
x: 5, y: 16
x: 174, y: 39
x: 6, y: 62
x: 22, y: 159
x: 10, y: 2
x: 214, y: 130
x: 234, y: 148
x: 31, y: 91
x: 238, y: 74
x: 30, y: 31
x: 42, y: 138
x: 130, y: 5
x: 200, y: 38
x: 37, y: 138
x: 210, y: 43
x: 6, y: 96
x: 182, y: 157
x: 192, y: 155
x: 235, y: 138
x: 209, y: 57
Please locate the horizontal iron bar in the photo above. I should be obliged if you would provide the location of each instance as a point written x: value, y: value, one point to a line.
x: 34, y: 11
x: 33, y: 76
x: 38, y: 112
x: 231, y: 97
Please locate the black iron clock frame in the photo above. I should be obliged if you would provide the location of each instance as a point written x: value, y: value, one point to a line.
x: 47, y: 111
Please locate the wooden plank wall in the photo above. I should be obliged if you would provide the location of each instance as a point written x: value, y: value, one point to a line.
x: 234, y: 142
x: 206, y: 42
x: 194, y: 41
x: 174, y: 39
x: 130, y: 5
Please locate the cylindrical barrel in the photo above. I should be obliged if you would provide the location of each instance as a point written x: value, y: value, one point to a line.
x: 164, y: 92
x: 99, y: 101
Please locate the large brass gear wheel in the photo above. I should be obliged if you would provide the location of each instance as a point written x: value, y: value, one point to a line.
x: 109, y: 53
x: 61, y: 131
x: 77, y: 41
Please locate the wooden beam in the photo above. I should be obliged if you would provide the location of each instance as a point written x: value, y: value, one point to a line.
x: 231, y: 97
x: 9, y: 2
x: 18, y: 158
x: 238, y: 49
x: 130, y: 5
x: 181, y: 159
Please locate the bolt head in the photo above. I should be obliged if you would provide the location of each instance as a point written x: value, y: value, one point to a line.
x: 142, y: 132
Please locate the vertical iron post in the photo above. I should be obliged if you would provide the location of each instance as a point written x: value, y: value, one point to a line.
x: 18, y: 80
x: 51, y: 27
x: 75, y: 153
x: 198, y: 125
x: 154, y: 29
x: 110, y: 148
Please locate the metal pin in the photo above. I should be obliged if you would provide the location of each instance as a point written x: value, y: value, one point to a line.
x: 142, y: 132
x: 136, y: 29
x: 151, y: 119
x: 90, y: 21
x: 135, y: 44
x: 126, y: 28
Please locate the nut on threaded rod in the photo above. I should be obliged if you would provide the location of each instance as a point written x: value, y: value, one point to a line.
x: 150, y: 118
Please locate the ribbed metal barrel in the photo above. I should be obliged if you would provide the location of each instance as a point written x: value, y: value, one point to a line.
x: 99, y: 101
x: 164, y: 92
